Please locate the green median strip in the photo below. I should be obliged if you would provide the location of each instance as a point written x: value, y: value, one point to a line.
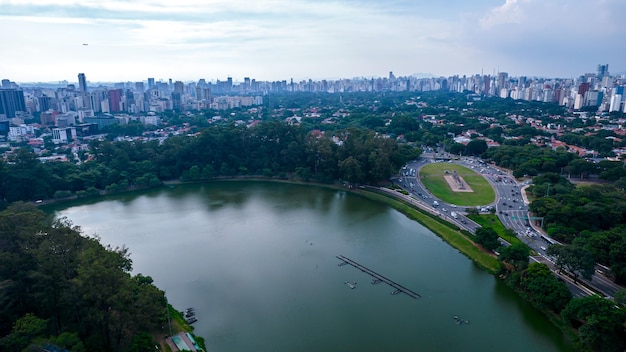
x: 492, y: 221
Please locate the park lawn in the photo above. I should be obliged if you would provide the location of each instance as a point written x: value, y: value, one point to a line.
x: 492, y: 221
x: 431, y: 176
x: 452, y: 236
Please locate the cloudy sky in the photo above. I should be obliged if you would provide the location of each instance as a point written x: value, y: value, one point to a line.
x: 130, y: 40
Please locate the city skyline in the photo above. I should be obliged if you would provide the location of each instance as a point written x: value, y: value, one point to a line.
x: 301, y: 39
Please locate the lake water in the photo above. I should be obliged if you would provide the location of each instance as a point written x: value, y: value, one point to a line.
x: 258, y: 263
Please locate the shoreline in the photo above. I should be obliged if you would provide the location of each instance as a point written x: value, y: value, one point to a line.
x: 447, y: 231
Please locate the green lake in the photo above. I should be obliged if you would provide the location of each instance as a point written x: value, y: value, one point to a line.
x: 257, y: 261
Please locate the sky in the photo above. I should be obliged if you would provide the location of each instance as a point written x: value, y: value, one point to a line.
x: 131, y: 40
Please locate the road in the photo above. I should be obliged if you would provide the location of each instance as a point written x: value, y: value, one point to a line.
x: 511, y: 207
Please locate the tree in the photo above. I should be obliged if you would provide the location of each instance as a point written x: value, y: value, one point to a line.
x: 574, y: 259
x: 544, y: 288
x: 456, y: 148
x: 620, y: 296
x: 351, y: 170
x: 602, y: 326
x: 24, y: 332
x: 488, y: 238
x: 476, y: 147
x: 515, y: 254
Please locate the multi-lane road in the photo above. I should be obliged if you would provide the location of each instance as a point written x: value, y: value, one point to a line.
x: 511, y: 207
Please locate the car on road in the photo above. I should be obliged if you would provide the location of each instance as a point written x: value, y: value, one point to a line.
x: 543, y: 248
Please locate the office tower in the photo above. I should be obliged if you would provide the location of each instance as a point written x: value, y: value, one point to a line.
x: 115, y: 100
x: 6, y: 83
x: 603, y: 70
x: 177, y: 102
x: 139, y: 87
x: 487, y: 84
x: 616, y: 102
x: 11, y: 100
x: 584, y: 88
x: 502, y: 80
x: 129, y: 97
x: 203, y: 93
x: 150, y: 83
x: 179, y: 87
x: 82, y: 83
x: 45, y: 103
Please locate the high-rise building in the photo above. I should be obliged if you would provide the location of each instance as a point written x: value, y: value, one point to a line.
x: 150, y: 83
x: 502, y: 80
x: 487, y: 80
x: 45, y: 103
x: 6, y: 83
x: 603, y: 70
x: 177, y: 102
x: 115, y: 100
x: 616, y: 102
x: 82, y: 83
x: 584, y: 88
x: 179, y: 87
x: 11, y: 101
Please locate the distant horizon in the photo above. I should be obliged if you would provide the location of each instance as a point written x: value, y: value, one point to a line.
x: 131, y: 40
x: 417, y: 75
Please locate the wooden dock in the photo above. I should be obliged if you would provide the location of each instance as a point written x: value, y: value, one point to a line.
x: 379, y: 278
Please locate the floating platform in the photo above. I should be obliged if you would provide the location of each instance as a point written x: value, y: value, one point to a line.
x: 458, y: 320
x: 379, y: 278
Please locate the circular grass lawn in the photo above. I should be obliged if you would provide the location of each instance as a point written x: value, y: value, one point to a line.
x: 431, y: 176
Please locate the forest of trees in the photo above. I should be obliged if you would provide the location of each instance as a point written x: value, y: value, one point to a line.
x: 592, y: 217
x: 598, y: 321
x: 60, y: 288
x: 271, y: 149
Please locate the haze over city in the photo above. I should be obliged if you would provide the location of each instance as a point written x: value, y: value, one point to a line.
x: 50, y: 40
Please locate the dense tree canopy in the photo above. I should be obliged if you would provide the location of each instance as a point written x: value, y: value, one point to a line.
x: 64, y: 289
x: 576, y: 260
x: 601, y: 323
x: 543, y: 287
x: 529, y: 159
x: 487, y: 237
x: 273, y: 149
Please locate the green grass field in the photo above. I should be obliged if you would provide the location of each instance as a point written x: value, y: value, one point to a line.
x: 432, y: 174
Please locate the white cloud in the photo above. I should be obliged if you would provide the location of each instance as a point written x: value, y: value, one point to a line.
x: 280, y: 39
x: 512, y: 11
